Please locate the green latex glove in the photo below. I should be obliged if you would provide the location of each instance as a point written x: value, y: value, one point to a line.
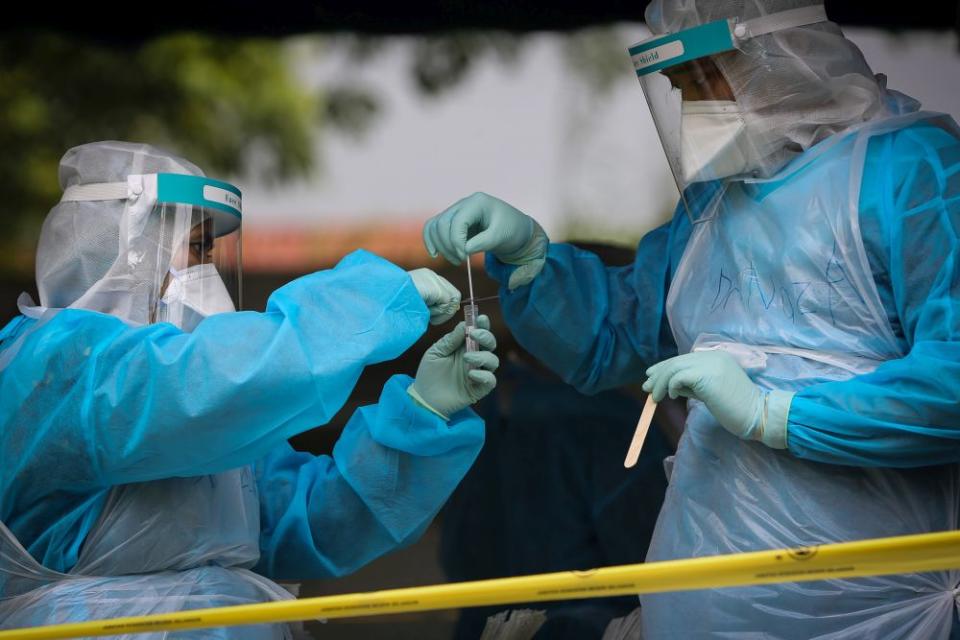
x: 441, y: 297
x: 717, y: 380
x: 450, y: 379
x: 484, y: 223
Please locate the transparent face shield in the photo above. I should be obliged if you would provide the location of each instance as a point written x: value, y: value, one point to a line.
x: 180, y: 240
x: 198, y: 249
x: 701, y: 126
x: 204, y: 273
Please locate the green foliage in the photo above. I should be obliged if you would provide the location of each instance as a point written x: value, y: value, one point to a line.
x: 350, y: 109
x: 597, y: 56
x: 229, y: 105
x: 442, y: 62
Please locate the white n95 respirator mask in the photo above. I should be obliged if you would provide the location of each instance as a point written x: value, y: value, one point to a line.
x: 193, y: 294
x: 713, y: 141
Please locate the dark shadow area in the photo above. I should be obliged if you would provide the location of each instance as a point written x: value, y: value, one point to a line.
x: 250, y: 18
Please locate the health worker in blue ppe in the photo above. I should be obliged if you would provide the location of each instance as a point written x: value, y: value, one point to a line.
x: 805, y: 297
x: 144, y: 421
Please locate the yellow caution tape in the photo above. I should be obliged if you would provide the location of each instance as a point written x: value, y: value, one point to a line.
x: 902, y: 554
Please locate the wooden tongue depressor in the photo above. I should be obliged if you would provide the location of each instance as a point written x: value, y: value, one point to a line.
x: 646, y: 417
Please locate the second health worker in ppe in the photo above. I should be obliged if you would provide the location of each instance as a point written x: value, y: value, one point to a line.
x: 144, y: 423
x: 805, y: 297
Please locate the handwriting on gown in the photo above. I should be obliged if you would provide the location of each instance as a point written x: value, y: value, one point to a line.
x: 828, y: 295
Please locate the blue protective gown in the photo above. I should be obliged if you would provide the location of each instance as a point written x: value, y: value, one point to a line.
x: 601, y: 327
x: 88, y: 402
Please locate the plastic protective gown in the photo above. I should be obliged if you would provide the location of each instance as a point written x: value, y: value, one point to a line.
x: 147, y: 469
x: 836, y: 278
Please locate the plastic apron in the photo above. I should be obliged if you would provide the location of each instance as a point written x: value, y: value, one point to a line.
x: 779, y: 277
x: 157, y: 547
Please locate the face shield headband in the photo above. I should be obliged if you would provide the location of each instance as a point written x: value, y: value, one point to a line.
x: 665, y: 51
x: 222, y: 199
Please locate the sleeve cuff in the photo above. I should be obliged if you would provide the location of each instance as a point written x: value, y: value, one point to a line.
x: 774, y: 433
x: 400, y: 422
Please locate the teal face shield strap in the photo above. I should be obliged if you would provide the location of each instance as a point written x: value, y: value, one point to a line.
x: 666, y: 51
x: 663, y: 52
x: 201, y: 192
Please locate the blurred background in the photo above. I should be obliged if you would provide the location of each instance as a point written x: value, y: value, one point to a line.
x: 348, y: 126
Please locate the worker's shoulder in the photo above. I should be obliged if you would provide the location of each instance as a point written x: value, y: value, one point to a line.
x: 935, y: 138
x: 906, y: 167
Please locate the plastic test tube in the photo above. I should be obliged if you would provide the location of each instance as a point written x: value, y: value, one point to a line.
x: 470, y: 317
x: 470, y: 311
